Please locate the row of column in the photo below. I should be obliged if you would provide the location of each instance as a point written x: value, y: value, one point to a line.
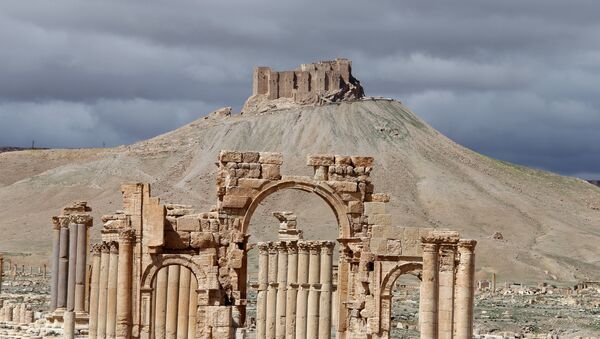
x: 175, y: 300
x: 447, y: 288
x: 111, y: 294
x: 294, y: 289
x: 18, y: 314
x: 69, y: 262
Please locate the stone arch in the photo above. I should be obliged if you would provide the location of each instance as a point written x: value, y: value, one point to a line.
x: 335, y: 202
x: 385, y: 296
x: 165, y: 260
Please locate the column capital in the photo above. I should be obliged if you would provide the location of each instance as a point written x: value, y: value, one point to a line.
x: 466, y: 245
x: 263, y: 247
x: 327, y: 247
x: 441, y: 237
x: 273, y: 248
x: 281, y: 246
x: 314, y: 247
x: 84, y: 219
x: 105, y: 247
x: 59, y: 222
x: 292, y: 247
x: 303, y: 246
x: 127, y: 235
x: 95, y: 249
x: 114, y: 247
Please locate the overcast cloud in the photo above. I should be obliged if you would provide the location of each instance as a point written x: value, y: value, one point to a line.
x: 517, y: 80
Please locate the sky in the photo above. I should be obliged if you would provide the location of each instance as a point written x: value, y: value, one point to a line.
x: 516, y: 80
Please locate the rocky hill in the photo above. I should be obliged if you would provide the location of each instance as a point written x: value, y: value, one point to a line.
x: 531, y: 225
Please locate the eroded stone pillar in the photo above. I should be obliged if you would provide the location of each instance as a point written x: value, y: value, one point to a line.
x: 160, y: 315
x: 303, y: 287
x: 63, y: 268
x: 111, y: 298
x: 263, y: 281
x: 292, y: 290
x: 193, y: 306
x: 312, y: 313
x: 183, y: 303
x: 282, y: 271
x: 270, y: 330
x: 81, y: 267
x: 2, y: 271
x: 103, y: 288
x: 55, y: 259
x: 95, y: 291
x: 124, y: 295
x: 465, y: 289
x: 446, y: 289
x: 326, y: 277
x: 172, y: 301
x: 71, y: 279
x: 428, y: 305
x: 69, y: 325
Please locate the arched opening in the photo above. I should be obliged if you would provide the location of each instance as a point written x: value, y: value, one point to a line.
x: 174, y: 302
x: 310, y: 216
x: 404, y: 315
x: 399, y: 301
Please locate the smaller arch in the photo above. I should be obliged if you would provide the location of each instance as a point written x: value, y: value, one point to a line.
x: 390, y: 278
x: 165, y: 260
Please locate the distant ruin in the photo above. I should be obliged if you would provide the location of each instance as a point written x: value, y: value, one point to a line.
x: 316, y: 83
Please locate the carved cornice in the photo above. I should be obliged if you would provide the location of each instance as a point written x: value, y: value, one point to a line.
x: 466, y: 245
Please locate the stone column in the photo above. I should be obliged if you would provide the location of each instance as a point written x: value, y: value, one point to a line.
x: 95, y: 291
x: 312, y: 313
x: 172, y: 301
x: 183, y: 303
x: 326, y: 277
x: 446, y: 292
x: 292, y: 290
x: 63, y: 268
x: 193, y: 307
x: 303, y: 287
x: 81, y: 268
x: 111, y: 298
x: 55, y: 259
x: 263, y: 281
x: 72, y: 266
x: 103, y: 288
x: 270, y: 331
x: 282, y: 271
x: 160, y: 294
x: 428, y: 305
x: 69, y: 325
x: 124, y: 291
x: 465, y: 289
x: 2, y: 272
x: 493, y: 283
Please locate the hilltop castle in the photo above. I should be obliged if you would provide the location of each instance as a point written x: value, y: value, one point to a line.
x: 316, y: 83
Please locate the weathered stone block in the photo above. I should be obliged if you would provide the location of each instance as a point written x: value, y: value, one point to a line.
x: 230, y: 156
x: 412, y: 241
x: 378, y: 231
x: 380, y: 219
x: 363, y: 161
x: 202, y: 240
x: 236, y: 258
x: 250, y: 157
x: 320, y: 160
x: 372, y: 208
x: 380, y: 197
x: 394, y: 247
x: 343, y: 186
x: 343, y: 160
x: 270, y: 158
x: 253, y: 183
x: 271, y: 172
x: 177, y: 240
x: 355, y: 207
x: 188, y: 223
x: 235, y: 201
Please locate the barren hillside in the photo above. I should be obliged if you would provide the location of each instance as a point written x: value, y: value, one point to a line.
x: 550, y: 224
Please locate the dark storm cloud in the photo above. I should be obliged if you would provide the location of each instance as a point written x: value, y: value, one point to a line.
x: 513, y: 79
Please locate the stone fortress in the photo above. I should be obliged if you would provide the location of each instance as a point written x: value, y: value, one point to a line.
x: 316, y: 83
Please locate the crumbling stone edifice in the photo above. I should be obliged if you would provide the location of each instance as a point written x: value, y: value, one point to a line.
x: 162, y: 269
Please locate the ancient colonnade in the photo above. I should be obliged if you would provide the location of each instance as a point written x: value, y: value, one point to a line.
x: 447, y: 287
x: 16, y: 313
x: 295, y: 289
